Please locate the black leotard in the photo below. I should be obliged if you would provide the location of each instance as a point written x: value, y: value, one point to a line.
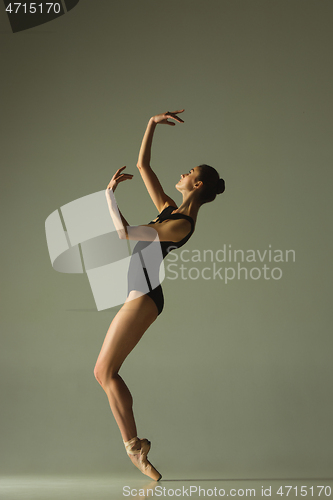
x: 138, y: 277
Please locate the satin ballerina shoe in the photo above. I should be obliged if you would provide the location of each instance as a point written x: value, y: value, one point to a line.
x: 137, y: 449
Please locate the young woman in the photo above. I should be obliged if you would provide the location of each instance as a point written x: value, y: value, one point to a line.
x: 171, y: 229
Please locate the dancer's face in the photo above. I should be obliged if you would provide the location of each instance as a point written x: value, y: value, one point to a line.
x: 187, y: 181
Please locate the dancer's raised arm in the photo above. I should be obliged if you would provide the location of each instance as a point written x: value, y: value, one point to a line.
x: 149, y: 177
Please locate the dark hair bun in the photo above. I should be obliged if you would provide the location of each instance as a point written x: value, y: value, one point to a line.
x: 220, y: 186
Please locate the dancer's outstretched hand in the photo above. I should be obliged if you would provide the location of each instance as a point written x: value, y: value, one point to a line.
x: 118, y: 177
x: 163, y: 117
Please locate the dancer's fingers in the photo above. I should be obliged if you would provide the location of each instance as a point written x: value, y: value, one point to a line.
x: 172, y: 114
x: 124, y: 177
x: 120, y: 169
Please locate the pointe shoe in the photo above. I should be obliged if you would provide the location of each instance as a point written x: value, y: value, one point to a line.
x: 137, y: 449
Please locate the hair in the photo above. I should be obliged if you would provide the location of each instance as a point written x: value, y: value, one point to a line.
x: 212, y: 183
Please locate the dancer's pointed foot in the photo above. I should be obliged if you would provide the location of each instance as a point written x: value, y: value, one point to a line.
x: 137, y: 449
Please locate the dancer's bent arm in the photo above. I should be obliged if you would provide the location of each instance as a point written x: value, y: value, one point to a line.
x: 155, y: 190
x: 173, y: 230
x: 118, y: 219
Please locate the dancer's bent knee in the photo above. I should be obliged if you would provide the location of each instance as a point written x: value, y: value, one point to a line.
x: 104, y: 377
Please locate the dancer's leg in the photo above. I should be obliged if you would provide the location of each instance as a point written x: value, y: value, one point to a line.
x: 124, y: 333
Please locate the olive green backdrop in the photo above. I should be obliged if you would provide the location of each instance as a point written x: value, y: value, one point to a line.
x: 233, y: 379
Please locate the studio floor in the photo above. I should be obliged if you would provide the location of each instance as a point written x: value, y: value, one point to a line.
x: 114, y: 488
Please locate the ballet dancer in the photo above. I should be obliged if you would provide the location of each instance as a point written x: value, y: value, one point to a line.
x: 170, y: 230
